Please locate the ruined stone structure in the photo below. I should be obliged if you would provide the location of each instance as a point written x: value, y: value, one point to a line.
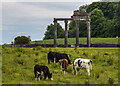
x: 77, y: 16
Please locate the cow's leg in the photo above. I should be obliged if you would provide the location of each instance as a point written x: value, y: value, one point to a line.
x: 61, y: 66
x: 45, y: 77
x: 88, y: 70
x: 75, y: 71
x: 38, y: 77
x: 35, y: 73
x: 64, y: 71
x: 48, y: 61
x: 54, y: 60
x: 91, y: 66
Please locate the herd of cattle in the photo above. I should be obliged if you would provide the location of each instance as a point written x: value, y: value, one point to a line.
x: 64, y: 61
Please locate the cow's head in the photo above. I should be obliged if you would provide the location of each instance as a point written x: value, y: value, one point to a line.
x: 79, y: 62
x: 50, y: 76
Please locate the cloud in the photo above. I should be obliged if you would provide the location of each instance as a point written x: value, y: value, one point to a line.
x: 26, y: 13
x: 36, y: 14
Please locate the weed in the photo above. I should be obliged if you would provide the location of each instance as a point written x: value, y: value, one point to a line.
x: 111, y: 81
x: 39, y: 48
x: 75, y: 48
x: 69, y: 69
x: 97, y: 75
x: 94, y: 57
x: 86, y: 82
x: 36, y: 53
x: 18, y: 61
x: 106, y: 54
x: 50, y: 49
x: 110, y: 61
x: 36, y: 60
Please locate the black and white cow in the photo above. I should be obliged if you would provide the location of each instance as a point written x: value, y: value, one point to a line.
x: 55, y: 57
x: 82, y: 64
x: 39, y: 70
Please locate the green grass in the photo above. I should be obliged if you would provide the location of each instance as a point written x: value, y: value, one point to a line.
x: 18, y: 63
x: 81, y: 41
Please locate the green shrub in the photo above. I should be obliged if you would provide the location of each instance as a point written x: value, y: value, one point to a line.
x: 111, y: 81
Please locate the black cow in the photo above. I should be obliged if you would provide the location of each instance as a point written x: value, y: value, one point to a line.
x: 39, y: 70
x: 55, y: 57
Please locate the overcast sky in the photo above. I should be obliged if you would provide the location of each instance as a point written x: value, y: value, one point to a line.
x: 32, y: 18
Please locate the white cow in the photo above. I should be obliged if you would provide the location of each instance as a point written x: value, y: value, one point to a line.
x: 82, y: 63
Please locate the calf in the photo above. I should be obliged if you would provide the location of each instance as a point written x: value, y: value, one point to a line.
x: 38, y: 70
x: 55, y: 57
x: 82, y: 63
x: 63, y: 64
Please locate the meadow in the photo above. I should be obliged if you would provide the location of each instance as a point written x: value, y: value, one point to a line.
x: 81, y: 41
x: 18, y: 63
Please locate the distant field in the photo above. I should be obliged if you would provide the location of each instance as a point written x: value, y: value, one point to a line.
x: 81, y: 41
x: 18, y: 63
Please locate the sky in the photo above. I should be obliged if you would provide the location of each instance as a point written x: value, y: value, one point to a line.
x: 32, y: 18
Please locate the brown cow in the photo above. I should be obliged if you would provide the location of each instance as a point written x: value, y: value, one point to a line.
x: 63, y: 64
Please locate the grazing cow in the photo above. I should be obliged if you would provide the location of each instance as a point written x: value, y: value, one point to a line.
x: 63, y: 64
x: 82, y: 63
x: 55, y: 57
x: 39, y: 70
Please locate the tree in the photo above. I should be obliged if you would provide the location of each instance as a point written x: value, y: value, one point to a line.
x: 108, y: 8
x: 82, y: 29
x: 97, y: 22
x: 49, y: 34
x: 22, y: 40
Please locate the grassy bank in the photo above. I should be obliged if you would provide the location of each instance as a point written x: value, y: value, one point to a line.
x: 18, y: 63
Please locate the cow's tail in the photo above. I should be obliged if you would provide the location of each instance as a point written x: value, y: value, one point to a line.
x: 69, y: 60
x: 91, y: 64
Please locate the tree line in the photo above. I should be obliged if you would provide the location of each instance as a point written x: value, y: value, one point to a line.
x: 105, y: 22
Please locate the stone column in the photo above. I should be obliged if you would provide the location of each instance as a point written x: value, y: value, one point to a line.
x: 66, y: 33
x: 77, y: 32
x: 88, y: 33
x: 55, y: 33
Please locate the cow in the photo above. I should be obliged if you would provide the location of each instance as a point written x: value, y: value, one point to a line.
x: 41, y: 69
x: 55, y: 57
x: 63, y: 64
x: 82, y: 64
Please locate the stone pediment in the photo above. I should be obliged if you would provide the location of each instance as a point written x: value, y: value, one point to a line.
x: 79, y: 15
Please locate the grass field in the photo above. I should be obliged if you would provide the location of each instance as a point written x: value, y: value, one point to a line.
x: 18, y: 63
x: 81, y: 41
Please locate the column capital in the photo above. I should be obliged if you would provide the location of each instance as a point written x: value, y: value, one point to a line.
x: 55, y: 21
x: 66, y: 21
